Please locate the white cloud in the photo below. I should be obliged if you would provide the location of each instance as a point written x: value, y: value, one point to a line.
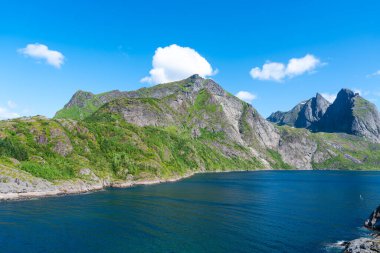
x: 174, y: 63
x: 246, y: 96
x: 42, y: 52
x: 277, y: 71
x: 329, y: 97
x: 5, y: 113
x: 377, y: 73
x: 270, y: 71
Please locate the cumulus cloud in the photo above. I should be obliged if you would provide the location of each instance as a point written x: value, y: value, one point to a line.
x: 174, y: 63
x: 277, y: 71
x: 377, y: 73
x: 270, y: 71
x: 329, y: 97
x: 42, y: 52
x: 246, y: 96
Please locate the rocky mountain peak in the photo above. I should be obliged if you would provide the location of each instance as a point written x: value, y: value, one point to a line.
x: 304, y: 114
x: 319, y: 97
x: 352, y: 114
x: 79, y: 98
x: 195, y: 76
x: 346, y: 95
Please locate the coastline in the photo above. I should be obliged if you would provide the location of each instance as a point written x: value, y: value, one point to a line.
x: 72, y: 187
x: 79, y: 186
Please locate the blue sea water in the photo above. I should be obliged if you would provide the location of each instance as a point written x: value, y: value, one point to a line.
x: 267, y: 211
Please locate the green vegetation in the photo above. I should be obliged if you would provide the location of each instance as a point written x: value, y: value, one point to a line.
x: 362, y: 107
x: 47, y: 171
x: 80, y: 113
x: 276, y: 161
x: 191, y: 131
x: 113, y: 149
x: 9, y: 148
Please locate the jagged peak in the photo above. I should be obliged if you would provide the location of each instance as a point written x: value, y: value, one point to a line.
x: 321, y: 99
x: 346, y: 93
x: 78, y: 98
x: 195, y: 76
x: 319, y: 96
x: 81, y: 92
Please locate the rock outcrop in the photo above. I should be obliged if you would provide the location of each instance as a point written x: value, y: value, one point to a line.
x: 304, y: 114
x: 367, y: 244
x: 373, y: 222
x: 363, y: 245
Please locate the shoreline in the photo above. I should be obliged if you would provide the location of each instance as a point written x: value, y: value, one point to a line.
x: 82, y: 187
x: 78, y: 186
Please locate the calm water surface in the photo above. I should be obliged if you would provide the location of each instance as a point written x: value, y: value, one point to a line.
x: 277, y: 211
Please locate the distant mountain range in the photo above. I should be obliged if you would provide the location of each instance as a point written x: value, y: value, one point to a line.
x: 349, y: 113
x: 176, y: 129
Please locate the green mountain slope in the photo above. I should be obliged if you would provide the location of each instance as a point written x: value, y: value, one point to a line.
x: 163, y: 132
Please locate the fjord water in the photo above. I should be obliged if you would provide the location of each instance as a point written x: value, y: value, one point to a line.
x: 267, y: 211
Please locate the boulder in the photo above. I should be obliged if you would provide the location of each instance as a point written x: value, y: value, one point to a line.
x: 363, y: 245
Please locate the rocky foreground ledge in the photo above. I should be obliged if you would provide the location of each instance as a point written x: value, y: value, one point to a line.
x: 363, y: 245
x: 367, y: 245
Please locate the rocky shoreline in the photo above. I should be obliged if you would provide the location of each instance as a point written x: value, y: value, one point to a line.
x: 367, y: 245
x: 19, y: 185
x: 363, y: 245
x: 25, y: 187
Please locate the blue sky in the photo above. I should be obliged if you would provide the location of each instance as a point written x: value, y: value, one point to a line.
x: 108, y: 45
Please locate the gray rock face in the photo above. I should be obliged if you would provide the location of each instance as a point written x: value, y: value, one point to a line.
x: 339, y: 116
x: 373, y: 222
x: 351, y: 114
x: 79, y: 99
x: 298, y: 150
x: 367, y: 245
x: 204, y: 107
x: 304, y: 114
x: 16, y: 181
x: 311, y: 112
x: 363, y: 245
x: 286, y: 118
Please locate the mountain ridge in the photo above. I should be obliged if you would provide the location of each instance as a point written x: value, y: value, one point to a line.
x: 162, y: 132
x: 349, y: 113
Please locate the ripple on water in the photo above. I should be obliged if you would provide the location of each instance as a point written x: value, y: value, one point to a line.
x: 271, y: 211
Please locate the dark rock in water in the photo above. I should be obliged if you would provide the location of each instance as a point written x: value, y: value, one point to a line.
x: 366, y: 245
x: 373, y: 222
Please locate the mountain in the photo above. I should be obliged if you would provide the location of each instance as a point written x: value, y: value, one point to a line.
x: 161, y: 133
x: 304, y: 114
x: 83, y: 103
x: 349, y: 113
